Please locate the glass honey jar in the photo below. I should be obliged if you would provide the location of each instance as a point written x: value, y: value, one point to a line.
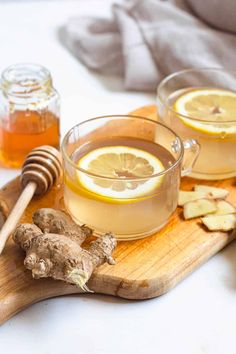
x: 29, y: 112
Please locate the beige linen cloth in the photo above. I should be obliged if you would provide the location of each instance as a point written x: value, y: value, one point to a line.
x: 149, y: 39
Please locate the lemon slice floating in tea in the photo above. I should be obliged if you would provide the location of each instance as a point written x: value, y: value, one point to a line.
x: 214, y: 110
x: 120, y: 162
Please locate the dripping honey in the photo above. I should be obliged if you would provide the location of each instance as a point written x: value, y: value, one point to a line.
x: 22, y: 131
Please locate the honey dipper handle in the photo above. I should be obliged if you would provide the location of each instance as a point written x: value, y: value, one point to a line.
x: 16, y: 213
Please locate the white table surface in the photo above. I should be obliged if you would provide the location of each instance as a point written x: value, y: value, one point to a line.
x: 196, y: 317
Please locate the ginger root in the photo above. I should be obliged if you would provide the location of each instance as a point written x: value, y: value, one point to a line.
x: 50, y: 253
x: 57, y: 222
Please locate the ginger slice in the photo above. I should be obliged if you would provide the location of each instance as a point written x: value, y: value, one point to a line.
x: 220, y: 222
x: 185, y: 197
x: 212, y: 192
x: 224, y: 207
x: 199, y: 207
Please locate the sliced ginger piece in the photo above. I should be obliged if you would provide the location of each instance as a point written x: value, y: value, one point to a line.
x: 199, y: 207
x: 185, y: 197
x: 220, y: 222
x: 212, y: 192
x: 224, y: 207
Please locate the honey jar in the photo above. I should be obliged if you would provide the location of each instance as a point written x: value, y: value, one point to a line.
x: 29, y: 112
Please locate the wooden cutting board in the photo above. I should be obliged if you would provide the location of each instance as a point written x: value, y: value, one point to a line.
x: 145, y: 268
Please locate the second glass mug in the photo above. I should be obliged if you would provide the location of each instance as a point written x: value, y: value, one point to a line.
x: 217, y: 159
x: 128, y: 216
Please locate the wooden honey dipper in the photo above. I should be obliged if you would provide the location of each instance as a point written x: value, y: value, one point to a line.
x: 41, y: 169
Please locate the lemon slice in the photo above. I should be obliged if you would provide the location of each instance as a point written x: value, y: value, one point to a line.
x: 215, y: 107
x: 120, y: 162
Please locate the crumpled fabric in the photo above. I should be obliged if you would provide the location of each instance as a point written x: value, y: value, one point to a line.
x: 146, y: 40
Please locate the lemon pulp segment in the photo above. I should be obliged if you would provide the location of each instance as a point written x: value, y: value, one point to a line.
x: 215, y: 107
x: 119, y: 167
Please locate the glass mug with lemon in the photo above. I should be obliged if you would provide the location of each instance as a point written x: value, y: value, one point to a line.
x: 122, y: 174
x: 201, y: 104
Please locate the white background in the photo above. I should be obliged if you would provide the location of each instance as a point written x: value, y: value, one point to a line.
x: 199, y: 315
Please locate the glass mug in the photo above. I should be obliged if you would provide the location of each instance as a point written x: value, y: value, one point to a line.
x: 107, y: 195
x: 217, y: 159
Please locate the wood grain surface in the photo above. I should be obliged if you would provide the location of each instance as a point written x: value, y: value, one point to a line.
x: 145, y: 268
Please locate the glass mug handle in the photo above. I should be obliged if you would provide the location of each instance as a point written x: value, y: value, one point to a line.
x: 191, y: 153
